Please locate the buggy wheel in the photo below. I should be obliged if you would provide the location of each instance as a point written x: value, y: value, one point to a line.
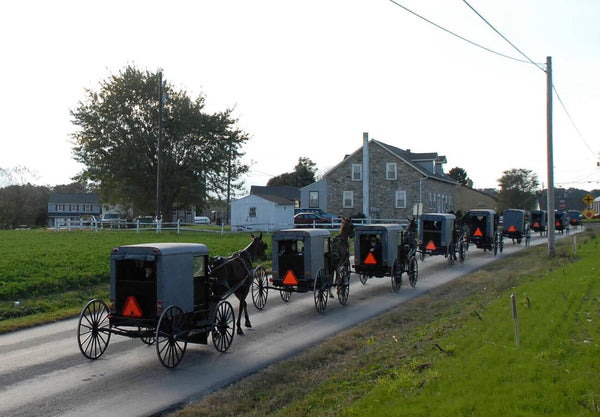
x: 450, y: 255
x: 462, y: 253
x: 342, y: 283
x: 501, y: 244
x: 285, y: 295
x: 496, y: 243
x: 260, y: 287
x: 321, y: 292
x: 397, y: 269
x: 147, y: 335
x: 363, y: 279
x: 93, y: 329
x: 422, y: 255
x: 223, y: 327
x: 413, y: 271
x: 171, y: 335
x: 528, y: 238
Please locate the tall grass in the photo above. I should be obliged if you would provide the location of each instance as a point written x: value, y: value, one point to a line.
x: 46, y: 275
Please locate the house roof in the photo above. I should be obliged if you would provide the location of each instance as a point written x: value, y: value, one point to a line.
x: 74, y: 198
x: 413, y: 159
x: 277, y: 194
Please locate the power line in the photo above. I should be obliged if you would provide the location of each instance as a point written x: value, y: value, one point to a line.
x: 504, y: 37
x: 458, y: 36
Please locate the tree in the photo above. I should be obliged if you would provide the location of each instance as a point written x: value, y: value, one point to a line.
x: 117, y: 141
x: 459, y: 175
x: 303, y: 174
x: 517, y: 189
x: 23, y: 205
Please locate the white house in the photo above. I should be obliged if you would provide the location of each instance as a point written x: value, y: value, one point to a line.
x: 262, y: 212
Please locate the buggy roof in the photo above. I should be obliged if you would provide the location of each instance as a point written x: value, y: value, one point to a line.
x: 371, y: 228
x: 162, y: 248
x: 436, y: 216
x: 299, y: 233
x: 482, y: 212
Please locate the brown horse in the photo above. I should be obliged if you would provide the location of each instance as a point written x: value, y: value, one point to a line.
x: 340, y: 249
x: 236, y: 272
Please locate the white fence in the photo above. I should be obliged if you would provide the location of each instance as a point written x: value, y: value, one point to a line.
x: 157, y: 226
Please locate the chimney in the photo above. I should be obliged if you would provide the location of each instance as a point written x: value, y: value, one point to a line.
x: 365, y: 173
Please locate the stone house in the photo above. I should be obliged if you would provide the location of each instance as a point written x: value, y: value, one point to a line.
x: 382, y: 181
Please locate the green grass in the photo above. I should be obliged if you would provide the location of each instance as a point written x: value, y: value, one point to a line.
x: 451, y: 352
x: 47, y: 275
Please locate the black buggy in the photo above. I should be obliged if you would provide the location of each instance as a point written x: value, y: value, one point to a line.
x: 385, y: 250
x: 162, y: 293
x: 561, y: 222
x: 483, y: 230
x: 438, y: 235
x: 538, y: 221
x: 304, y: 260
x: 515, y: 226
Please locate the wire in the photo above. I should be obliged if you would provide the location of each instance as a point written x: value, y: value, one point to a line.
x: 572, y: 122
x: 504, y: 37
x: 458, y: 36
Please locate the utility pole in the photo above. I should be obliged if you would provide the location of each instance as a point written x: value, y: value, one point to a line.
x: 159, y: 148
x: 551, y: 237
x: 228, y: 183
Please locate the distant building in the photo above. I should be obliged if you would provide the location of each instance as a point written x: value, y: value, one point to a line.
x: 73, y: 207
x: 262, y: 212
x: 469, y: 198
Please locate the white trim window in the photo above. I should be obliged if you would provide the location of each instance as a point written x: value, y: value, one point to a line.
x: 391, y: 171
x: 348, y: 199
x: 400, y: 199
x: 313, y: 199
x: 356, y: 172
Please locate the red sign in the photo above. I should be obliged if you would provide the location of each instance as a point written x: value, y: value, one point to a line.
x: 132, y: 308
x: 370, y: 259
x: 290, y: 278
x: 478, y: 233
x: 430, y: 245
x: 512, y: 228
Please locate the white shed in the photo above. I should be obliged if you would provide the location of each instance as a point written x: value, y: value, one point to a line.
x: 262, y: 212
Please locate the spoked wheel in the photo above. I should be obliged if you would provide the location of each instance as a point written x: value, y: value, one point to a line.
x: 496, y: 244
x: 397, y: 269
x: 260, y: 287
x: 342, y: 281
x: 422, y: 255
x: 501, y: 244
x: 321, y: 290
x: 363, y: 279
x: 285, y: 295
x: 528, y: 238
x: 413, y: 271
x: 223, y: 327
x: 171, y: 335
x: 93, y: 329
x: 147, y: 335
x: 462, y: 253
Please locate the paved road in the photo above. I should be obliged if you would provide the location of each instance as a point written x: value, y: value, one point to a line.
x: 42, y: 372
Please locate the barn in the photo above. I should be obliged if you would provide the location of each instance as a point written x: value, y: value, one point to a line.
x: 262, y: 212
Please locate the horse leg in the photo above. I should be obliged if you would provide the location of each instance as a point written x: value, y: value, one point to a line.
x: 246, y: 316
x: 239, y: 318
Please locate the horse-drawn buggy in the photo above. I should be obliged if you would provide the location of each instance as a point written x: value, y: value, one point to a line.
x: 386, y: 250
x: 169, y: 295
x: 305, y: 260
x: 561, y: 222
x: 538, y: 221
x: 483, y: 230
x: 438, y: 235
x: 515, y: 226
x: 575, y: 218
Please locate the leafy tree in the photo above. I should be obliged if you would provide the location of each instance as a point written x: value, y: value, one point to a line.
x: 117, y: 141
x: 303, y: 174
x: 23, y: 205
x: 517, y: 189
x: 459, y: 175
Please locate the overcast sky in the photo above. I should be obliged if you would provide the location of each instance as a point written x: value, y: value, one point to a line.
x: 307, y: 78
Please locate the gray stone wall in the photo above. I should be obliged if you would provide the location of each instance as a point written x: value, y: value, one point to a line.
x: 383, y: 191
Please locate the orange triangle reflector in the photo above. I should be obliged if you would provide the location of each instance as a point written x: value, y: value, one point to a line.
x: 132, y: 308
x: 478, y: 233
x: 558, y: 223
x: 370, y: 259
x: 430, y: 245
x: 536, y: 224
x: 290, y: 278
x: 512, y: 228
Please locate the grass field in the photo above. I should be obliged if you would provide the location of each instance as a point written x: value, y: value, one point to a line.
x: 452, y: 352
x: 47, y: 275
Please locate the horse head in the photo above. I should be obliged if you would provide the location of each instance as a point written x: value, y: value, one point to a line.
x: 258, y: 248
x: 346, y: 228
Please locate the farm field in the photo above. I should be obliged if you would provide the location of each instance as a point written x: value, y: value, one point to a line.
x: 452, y: 352
x: 47, y: 275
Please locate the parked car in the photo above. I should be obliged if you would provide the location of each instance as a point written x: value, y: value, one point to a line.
x: 310, y: 218
x: 317, y: 211
x: 201, y: 220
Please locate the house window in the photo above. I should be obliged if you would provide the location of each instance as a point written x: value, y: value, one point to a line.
x: 390, y: 171
x: 73, y: 207
x: 356, y: 172
x: 60, y: 207
x: 348, y: 199
x: 252, y: 212
x: 313, y: 199
x: 400, y: 199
